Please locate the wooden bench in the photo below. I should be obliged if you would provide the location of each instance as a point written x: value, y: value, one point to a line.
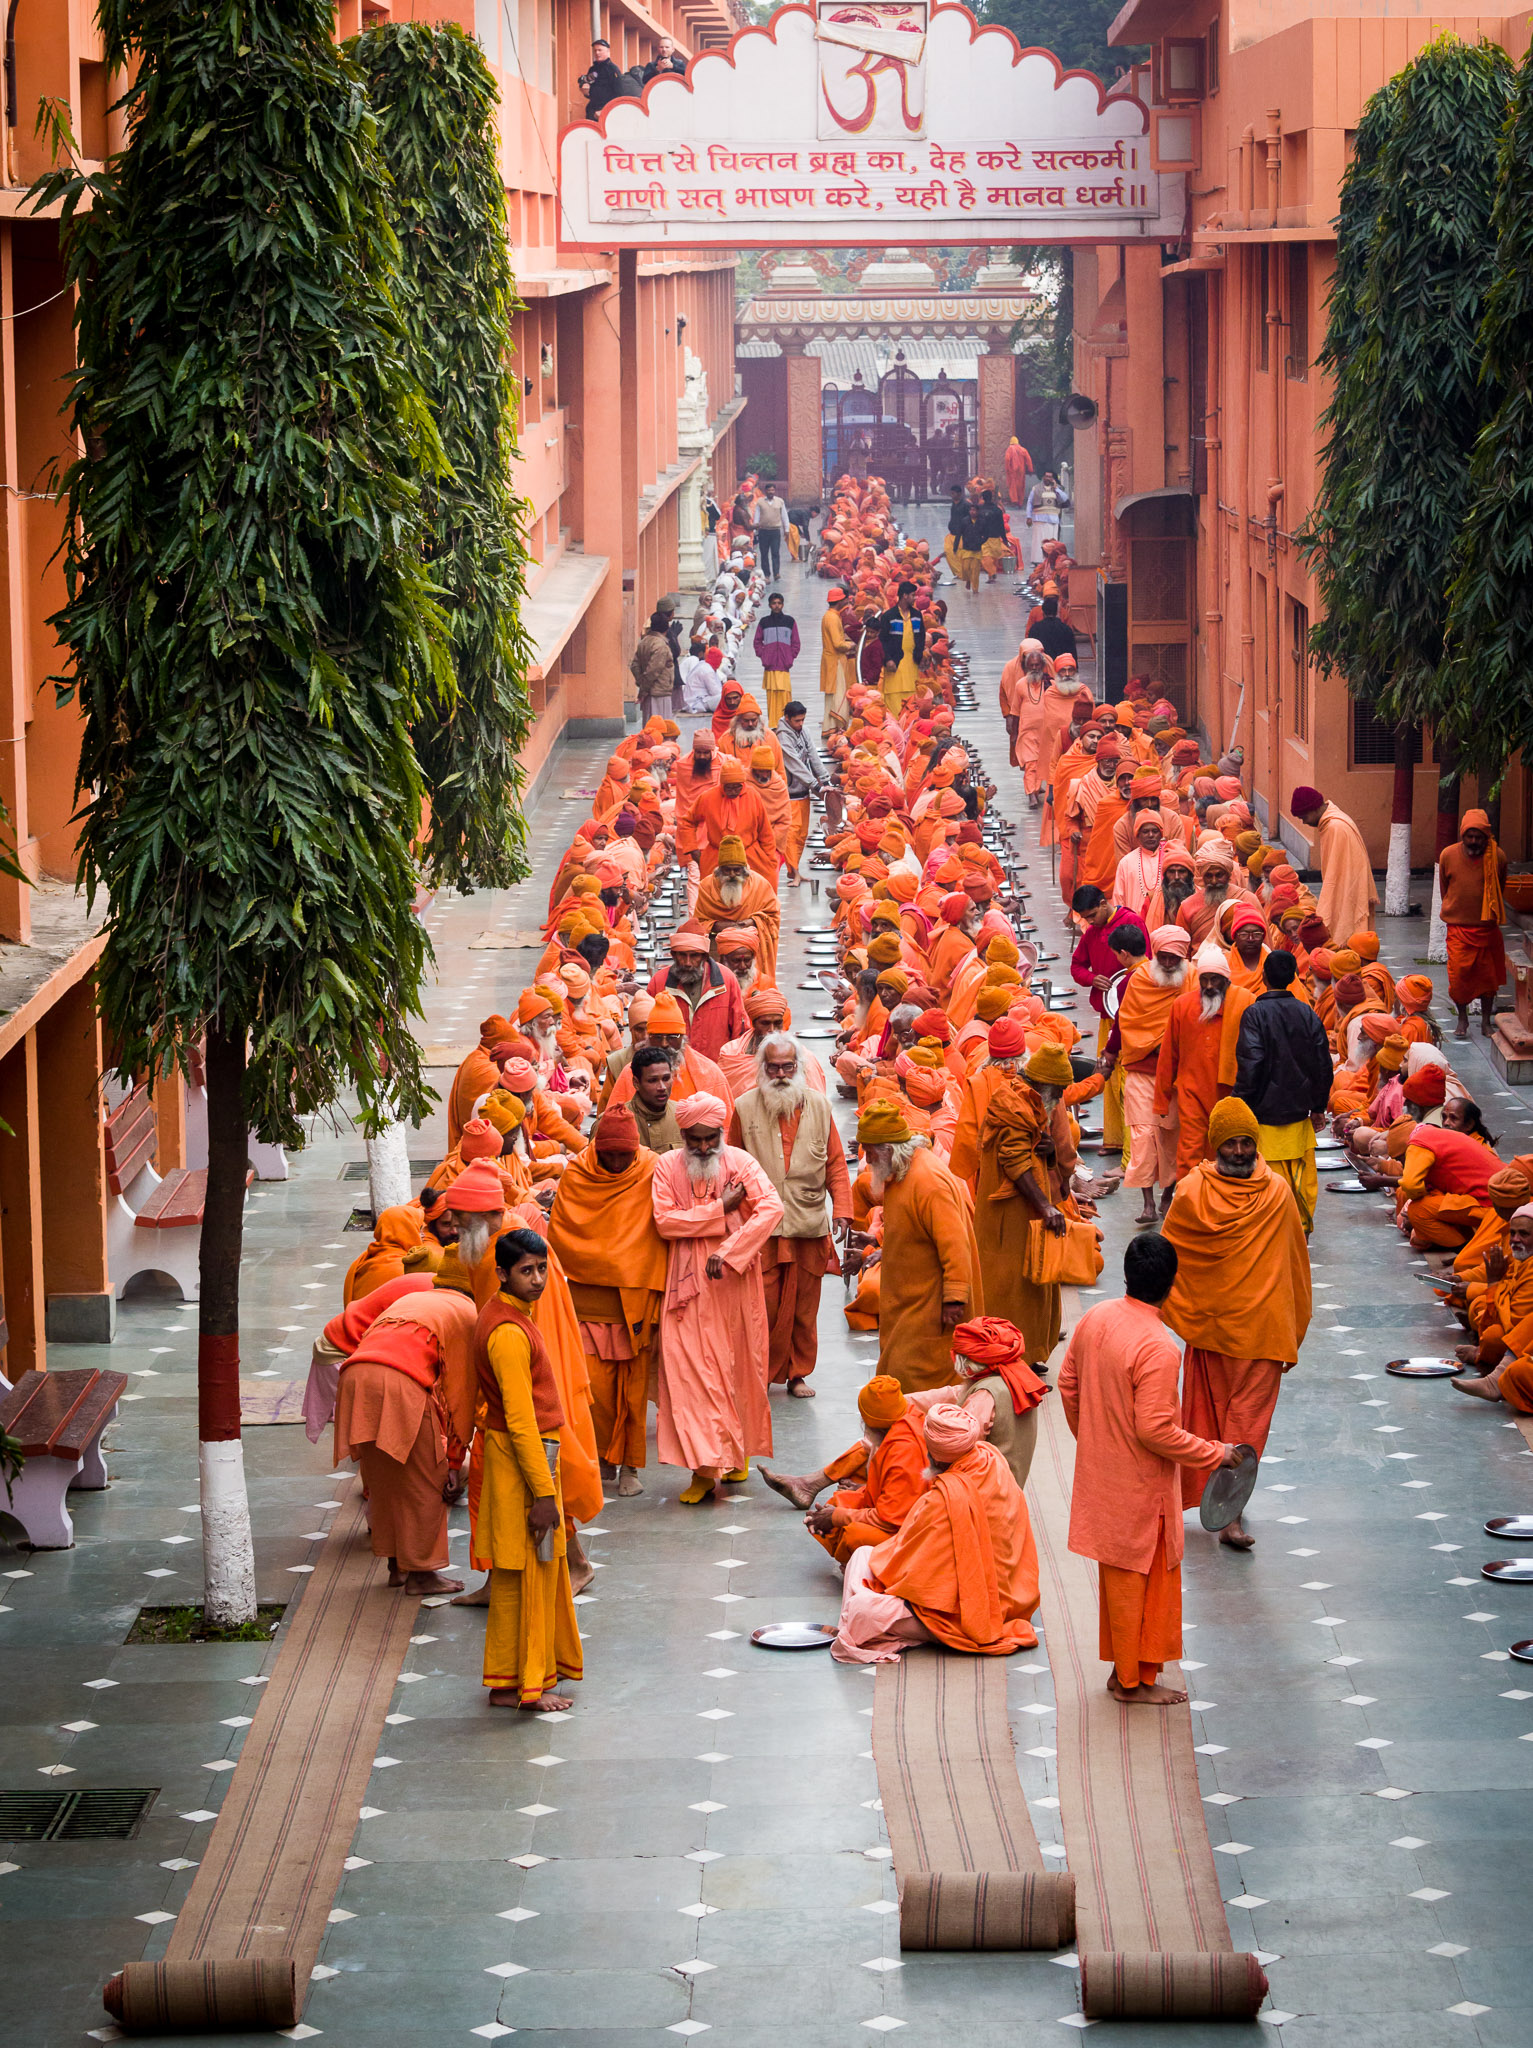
x: 154, y: 1224
x: 57, y: 1417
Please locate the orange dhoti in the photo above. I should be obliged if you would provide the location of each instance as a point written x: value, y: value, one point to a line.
x: 404, y: 1501
x: 1446, y: 1221
x: 1476, y: 962
x: 1515, y: 1386
x: 798, y: 832
x: 1226, y: 1400
x: 792, y: 1269
x: 619, y: 1393
x: 1152, y: 1137
x: 1141, y: 1615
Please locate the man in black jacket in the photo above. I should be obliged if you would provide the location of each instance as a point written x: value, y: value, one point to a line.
x: 1053, y: 634
x: 1283, y: 1072
x: 891, y: 629
x: 603, y: 83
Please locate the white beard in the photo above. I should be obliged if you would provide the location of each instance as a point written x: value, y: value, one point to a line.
x: 1164, y: 978
x: 784, y: 1098
x: 899, y: 1165
x: 703, y: 1173
x: 732, y: 892
x: 547, y: 1043
x: 1210, y: 1007
x: 747, y: 978
x: 475, y: 1234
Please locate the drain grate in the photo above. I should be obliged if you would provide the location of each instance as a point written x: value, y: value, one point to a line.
x: 112, y: 1814
x: 361, y: 1219
x: 420, y: 1169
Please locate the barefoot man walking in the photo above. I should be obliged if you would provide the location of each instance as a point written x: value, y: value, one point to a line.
x: 1118, y: 1385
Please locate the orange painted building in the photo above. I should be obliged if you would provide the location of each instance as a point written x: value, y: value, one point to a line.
x: 628, y: 411
x: 1204, y: 456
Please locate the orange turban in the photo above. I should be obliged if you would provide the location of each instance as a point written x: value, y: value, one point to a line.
x: 480, y: 1140
x: 1228, y: 1119
x: 666, y: 1018
x: 881, y: 1123
x: 1428, y: 1089
x: 701, y: 1113
x: 503, y: 1111
x: 1365, y: 945
x: 762, y: 1004
x: 1414, y: 991
x: 531, y: 1005
x: 992, y: 1003
x: 477, y: 1190
x: 617, y: 1132
x: 881, y: 1401
x: 732, y: 774
x: 951, y: 1432
x: 1008, y: 1039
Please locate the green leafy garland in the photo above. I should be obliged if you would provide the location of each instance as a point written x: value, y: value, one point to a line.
x: 435, y: 103
x: 251, y: 623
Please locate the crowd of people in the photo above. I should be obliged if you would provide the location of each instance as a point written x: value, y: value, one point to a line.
x: 646, y: 1184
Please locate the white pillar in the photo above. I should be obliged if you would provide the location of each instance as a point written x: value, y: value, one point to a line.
x: 388, y: 1167
x: 228, y: 1552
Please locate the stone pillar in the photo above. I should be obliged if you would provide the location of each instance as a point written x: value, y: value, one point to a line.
x: 805, y: 457
x: 997, y: 405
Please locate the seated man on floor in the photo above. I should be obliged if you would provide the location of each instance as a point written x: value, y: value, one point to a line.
x: 1503, y: 1319
x: 962, y: 1571
x: 881, y: 1476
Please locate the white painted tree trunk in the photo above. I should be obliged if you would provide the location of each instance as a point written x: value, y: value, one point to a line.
x: 228, y: 1552
x: 1397, y: 875
x: 1437, y: 937
x: 388, y: 1167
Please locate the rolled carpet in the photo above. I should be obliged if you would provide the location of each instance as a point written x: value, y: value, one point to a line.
x: 996, y: 1909
x: 966, y: 1859
x: 1152, y: 1985
x: 193, y: 1998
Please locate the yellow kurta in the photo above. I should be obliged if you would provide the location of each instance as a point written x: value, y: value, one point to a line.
x: 901, y: 683
x: 531, y: 1639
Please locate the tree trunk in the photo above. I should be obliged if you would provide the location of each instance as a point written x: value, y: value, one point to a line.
x: 1397, y: 875
x: 388, y: 1167
x: 1447, y: 832
x: 227, y: 1549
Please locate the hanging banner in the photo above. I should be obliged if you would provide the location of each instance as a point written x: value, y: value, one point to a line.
x: 867, y: 121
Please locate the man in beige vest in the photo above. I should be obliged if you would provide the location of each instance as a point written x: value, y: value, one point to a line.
x: 787, y: 1127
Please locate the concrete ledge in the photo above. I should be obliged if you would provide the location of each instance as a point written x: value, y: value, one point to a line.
x: 80, y: 1318
x: 594, y: 729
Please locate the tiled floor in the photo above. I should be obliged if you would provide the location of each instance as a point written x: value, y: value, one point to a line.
x: 697, y: 1847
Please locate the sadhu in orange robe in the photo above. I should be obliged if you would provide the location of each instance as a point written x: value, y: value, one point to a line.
x: 1241, y: 1301
x: 1118, y: 1387
x: 963, y: 1570
x: 404, y: 1402
x: 602, y: 1228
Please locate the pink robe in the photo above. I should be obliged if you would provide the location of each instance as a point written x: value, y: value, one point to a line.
x: 713, y: 1411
